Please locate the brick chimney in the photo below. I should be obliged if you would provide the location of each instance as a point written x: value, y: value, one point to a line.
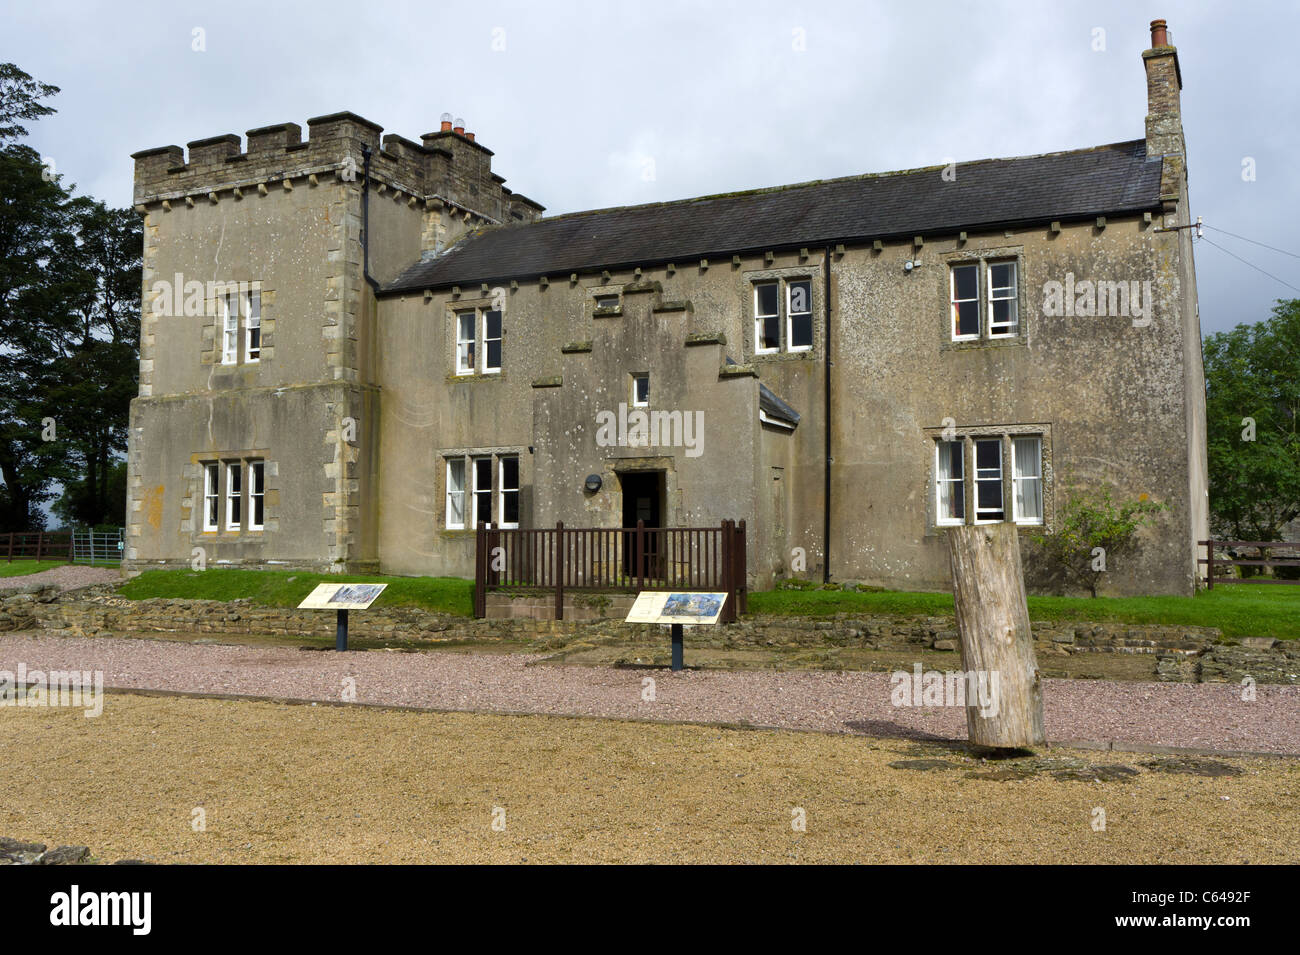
x: 1164, y: 86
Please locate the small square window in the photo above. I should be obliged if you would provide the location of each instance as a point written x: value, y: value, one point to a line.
x: 607, y: 301
x: 640, y: 391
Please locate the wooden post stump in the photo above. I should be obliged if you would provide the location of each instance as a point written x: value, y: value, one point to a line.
x: 996, y: 644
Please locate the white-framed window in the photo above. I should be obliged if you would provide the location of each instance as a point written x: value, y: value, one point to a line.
x: 256, y: 495
x: 211, y: 496
x: 783, y: 315
x: 479, y: 342
x: 798, y: 311
x: 1004, y: 314
x: 767, y: 317
x: 641, y: 390
x: 234, y: 495
x: 950, y: 482
x: 230, y: 328
x: 1027, y: 474
x: 456, y: 493
x: 491, y: 341
x: 482, y: 491
x: 508, y: 489
x: 993, y: 312
x: 965, y: 298
x: 989, y: 507
x: 465, y: 335
x: 253, y: 327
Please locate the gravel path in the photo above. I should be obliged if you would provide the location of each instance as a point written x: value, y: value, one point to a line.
x: 69, y: 577
x: 1204, y: 716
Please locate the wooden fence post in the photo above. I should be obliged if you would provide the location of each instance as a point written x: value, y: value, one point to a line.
x: 40, y: 539
x: 1209, y: 565
x: 742, y: 569
x: 559, y: 570
x: 480, y: 568
x: 997, y: 648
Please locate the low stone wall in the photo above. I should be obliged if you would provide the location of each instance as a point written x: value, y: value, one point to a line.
x: 1183, y: 654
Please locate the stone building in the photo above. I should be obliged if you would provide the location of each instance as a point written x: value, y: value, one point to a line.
x: 355, y: 347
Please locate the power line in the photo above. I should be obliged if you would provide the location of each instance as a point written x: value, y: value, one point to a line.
x: 1251, y: 264
x: 1253, y: 242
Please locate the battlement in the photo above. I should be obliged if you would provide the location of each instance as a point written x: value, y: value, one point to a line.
x: 447, y: 166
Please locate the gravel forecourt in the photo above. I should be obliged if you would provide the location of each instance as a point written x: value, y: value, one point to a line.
x: 1127, y: 714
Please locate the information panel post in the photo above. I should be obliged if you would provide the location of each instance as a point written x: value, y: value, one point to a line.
x: 677, y: 611
x: 342, y: 598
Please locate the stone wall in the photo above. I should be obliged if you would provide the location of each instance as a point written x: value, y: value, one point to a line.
x: 1184, y: 654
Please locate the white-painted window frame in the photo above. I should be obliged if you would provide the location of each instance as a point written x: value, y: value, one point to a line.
x: 454, y: 494
x: 1019, y: 479
x: 256, y: 493
x: 761, y: 317
x: 253, y: 327
x: 1000, y: 294
x: 957, y: 485
x: 791, y: 314
x: 503, y: 490
x: 234, y: 495
x: 954, y: 301
x: 230, y: 328
x: 211, y: 496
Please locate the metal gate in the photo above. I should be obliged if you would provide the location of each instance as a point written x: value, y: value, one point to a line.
x: 90, y: 546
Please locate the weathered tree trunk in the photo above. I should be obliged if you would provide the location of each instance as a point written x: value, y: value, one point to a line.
x: 997, y: 648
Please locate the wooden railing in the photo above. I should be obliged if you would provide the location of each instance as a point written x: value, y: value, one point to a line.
x: 627, y: 559
x: 1211, y: 562
x: 36, y: 545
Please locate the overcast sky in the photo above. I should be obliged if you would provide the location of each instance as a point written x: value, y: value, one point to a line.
x: 587, y: 105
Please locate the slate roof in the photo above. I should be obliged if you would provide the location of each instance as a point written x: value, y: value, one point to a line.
x: 988, y: 193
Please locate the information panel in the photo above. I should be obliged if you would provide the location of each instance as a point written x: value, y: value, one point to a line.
x: 689, y: 608
x: 342, y: 596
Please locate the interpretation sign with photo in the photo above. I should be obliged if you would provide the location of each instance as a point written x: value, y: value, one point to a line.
x: 688, y: 608
x: 342, y: 597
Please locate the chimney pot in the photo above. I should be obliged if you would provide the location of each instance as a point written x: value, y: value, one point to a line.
x: 1159, y: 33
x: 459, y: 127
x: 446, y: 126
x: 470, y: 137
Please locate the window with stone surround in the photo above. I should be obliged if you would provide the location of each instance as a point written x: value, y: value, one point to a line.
x: 783, y: 314
x: 479, y: 342
x: 988, y: 476
x: 984, y: 298
x: 481, y: 487
x: 239, y: 306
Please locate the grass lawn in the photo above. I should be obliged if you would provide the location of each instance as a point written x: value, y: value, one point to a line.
x: 1239, y: 610
x: 21, y: 568
x: 285, y: 588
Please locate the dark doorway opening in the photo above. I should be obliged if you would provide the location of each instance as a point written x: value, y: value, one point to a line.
x: 643, y: 500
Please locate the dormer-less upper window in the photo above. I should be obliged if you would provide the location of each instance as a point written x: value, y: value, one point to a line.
x: 783, y: 318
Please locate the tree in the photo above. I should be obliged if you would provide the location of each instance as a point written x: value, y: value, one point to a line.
x: 1252, y: 388
x: 1093, y: 532
x: 69, y: 281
